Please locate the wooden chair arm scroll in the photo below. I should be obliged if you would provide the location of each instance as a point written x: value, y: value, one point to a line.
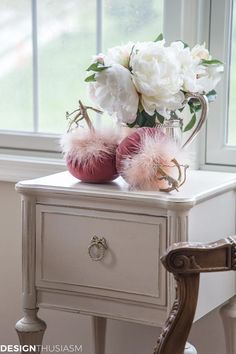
x: 186, y: 261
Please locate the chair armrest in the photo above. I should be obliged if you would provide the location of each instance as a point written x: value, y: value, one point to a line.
x: 185, y: 258
x: 186, y: 261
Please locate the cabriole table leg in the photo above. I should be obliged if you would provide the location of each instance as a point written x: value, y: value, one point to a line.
x: 30, y: 330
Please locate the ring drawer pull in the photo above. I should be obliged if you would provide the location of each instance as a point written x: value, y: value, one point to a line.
x: 97, y: 248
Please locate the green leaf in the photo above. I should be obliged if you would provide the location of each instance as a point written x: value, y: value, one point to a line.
x: 143, y: 119
x: 102, y: 68
x: 160, y: 118
x: 92, y: 67
x: 211, y: 96
x: 150, y: 121
x: 194, y: 105
x: 185, y: 44
x: 97, y: 67
x: 159, y: 38
x: 131, y: 125
x: 191, y: 124
x: 211, y: 62
x: 191, y: 108
x: 140, y: 106
x: 90, y: 78
x: 135, y: 122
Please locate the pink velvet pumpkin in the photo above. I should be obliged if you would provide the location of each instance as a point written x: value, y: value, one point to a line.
x: 140, y: 156
x: 91, y: 155
x: 131, y: 144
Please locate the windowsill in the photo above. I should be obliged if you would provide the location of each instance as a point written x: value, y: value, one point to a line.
x: 218, y: 168
x: 15, y: 168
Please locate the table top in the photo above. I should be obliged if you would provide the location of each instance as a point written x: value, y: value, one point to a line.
x: 200, y: 185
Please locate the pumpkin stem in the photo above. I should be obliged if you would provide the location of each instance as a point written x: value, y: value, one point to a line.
x: 81, y: 114
x: 173, y: 183
x: 83, y: 110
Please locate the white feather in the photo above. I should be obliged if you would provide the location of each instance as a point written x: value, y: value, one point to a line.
x: 141, y: 169
x: 85, y: 146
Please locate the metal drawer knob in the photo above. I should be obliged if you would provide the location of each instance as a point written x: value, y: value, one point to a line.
x: 97, y: 248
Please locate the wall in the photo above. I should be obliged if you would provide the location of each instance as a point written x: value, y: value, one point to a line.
x: 64, y: 328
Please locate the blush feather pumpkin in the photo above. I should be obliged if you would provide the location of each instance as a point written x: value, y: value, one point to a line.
x: 91, y: 154
x: 145, y: 157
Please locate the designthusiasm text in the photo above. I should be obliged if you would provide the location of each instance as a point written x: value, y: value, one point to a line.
x: 53, y: 348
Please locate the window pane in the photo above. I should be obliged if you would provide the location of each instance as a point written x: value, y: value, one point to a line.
x: 66, y: 42
x: 16, y: 65
x: 232, y: 105
x: 131, y: 20
x: 66, y: 31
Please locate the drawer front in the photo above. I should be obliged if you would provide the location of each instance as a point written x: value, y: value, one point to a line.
x: 130, y: 268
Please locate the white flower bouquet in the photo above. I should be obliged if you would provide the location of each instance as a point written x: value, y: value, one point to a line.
x: 144, y: 83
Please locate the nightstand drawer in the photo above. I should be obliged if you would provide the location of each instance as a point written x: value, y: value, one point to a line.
x: 130, y: 268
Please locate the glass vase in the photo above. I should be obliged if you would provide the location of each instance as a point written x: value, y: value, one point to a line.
x: 173, y: 127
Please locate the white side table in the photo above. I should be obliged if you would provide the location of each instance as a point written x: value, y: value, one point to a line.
x: 95, y: 249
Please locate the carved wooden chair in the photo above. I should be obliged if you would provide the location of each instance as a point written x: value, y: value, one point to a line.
x: 186, y: 261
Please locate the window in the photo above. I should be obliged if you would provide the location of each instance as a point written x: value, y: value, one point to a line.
x: 220, y: 146
x: 46, y: 45
x: 232, y: 89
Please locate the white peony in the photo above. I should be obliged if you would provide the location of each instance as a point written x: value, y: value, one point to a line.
x: 196, y: 77
x: 120, y: 54
x: 115, y: 55
x: 188, y: 67
x: 152, y: 74
x: 209, y: 76
x: 115, y: 92
x: 156, y: 75
x: 200, y: 52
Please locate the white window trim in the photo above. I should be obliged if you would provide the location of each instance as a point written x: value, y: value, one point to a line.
x: 195, y: 22
x: 216, y: 154
x: 190, y: 22
x: 14, y: 168
x: 19, y: 161
x: 48, y: 143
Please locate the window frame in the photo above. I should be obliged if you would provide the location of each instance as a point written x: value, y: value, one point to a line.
x: 179, y: 22
x: 20, y: 142
x: 33, y: 141
x: 208, y: 25
x: 216, y: 153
